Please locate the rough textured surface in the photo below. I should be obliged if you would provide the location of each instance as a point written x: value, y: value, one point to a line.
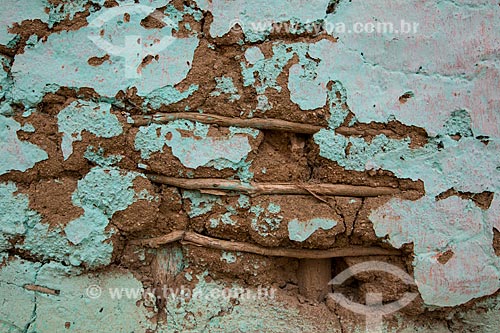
x: 416, y: 111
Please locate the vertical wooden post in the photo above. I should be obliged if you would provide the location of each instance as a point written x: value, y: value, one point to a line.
x: 165, y: 266
x: 314, y: 276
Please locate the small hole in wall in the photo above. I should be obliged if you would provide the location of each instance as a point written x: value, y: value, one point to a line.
x: 350, y: 288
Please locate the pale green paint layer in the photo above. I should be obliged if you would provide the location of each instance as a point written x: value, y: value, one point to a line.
x: 266, y: 220
x: 15, y: 215
x: 16, y: 154
x: 17, y: 11
x: 97, y: 156
x: 225, y: 85
x: 360, y: 153
x: 300, y: 231
x: 197, y: 150
x: 5, y: 82
x: 435, y: 227
x: 62, y: 60
x: 85, y: 240
x: 18, y: 306
x: 200, y: 203
x: 80, y: 116
x: 228, y: 257
x: 209, y: 310
x: 255, y: 17
x: 467, y: 165
x: 29, y: 312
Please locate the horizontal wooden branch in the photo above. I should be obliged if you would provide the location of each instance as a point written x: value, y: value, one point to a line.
x: 192, y: 238
x: 273, y: 188
x: 40, y: 289
x: 259, y: 123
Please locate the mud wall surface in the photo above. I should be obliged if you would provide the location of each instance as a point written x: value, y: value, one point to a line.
x: 210, y: 166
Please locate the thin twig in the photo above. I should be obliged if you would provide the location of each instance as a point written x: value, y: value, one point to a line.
x: 273, y: 188
x: 260, y: 123
x: 315, y: 195
x: 40, y: 289
x: 174, y: 236
x: 192, y: 238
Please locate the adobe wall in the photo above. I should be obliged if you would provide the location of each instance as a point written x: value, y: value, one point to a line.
x: 156, y: 146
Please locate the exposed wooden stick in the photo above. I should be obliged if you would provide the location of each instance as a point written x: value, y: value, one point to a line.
x: 273, y: 188
x: 174, y: 236
x: 214, y: 243
x: 40, y: 289
x: 313, y: 277
x: 260, y: 123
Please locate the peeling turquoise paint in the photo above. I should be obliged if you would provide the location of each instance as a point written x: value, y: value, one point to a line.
x: 244, y: 201
x: 5, y: 82
x: 16, y: 11
x: 80, y: 116
x: 354, y: 153
x: 255, y: 17
x: 107, y: 189
x: 168, y: 95
x: 18, y: 307
x: 467, y: 165
x: 263, y: 104
x: 451, y: 86
x: 459, y: 123
x: 266, y: 220
x: 273, y: 208
x: 193, y: 152
x: 68, y: 9
x: 15, y: 215
x: 16, y: 154
x: 300, y: 231
x: 30, y: 312
x: 62, y: 60
x: 254, y: 133
x: 435, y: 227
x: 28, y: 128
x: 97, y: 156
x: 268, y: 70
x: 201, y: 203
x: 452, y: 70
x: 253, y: 54
x: 224, y: 219
x: 228, y: 257
x: 204, y: 312
x: 225, y: 85
x: 304, y: 77
x: 262, y: 73
x: 85, y: 240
